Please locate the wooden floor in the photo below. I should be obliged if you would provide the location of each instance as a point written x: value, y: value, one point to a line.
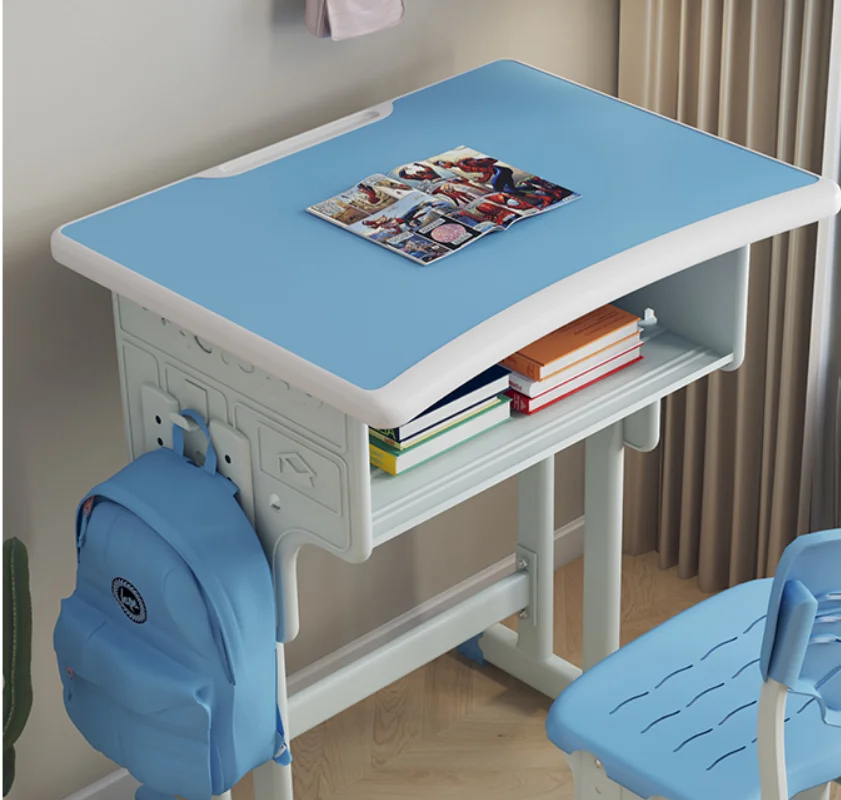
x: 454, y: 731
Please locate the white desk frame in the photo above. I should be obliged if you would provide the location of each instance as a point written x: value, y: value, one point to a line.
x: 280, y: 422
x: 621, y: 411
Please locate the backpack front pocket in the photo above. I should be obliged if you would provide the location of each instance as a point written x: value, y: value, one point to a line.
x: 135, y: 704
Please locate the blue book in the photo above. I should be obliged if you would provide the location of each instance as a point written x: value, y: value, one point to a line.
x: 476, y: 391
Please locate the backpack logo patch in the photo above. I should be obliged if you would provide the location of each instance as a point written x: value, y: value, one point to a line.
x: 129, y: 600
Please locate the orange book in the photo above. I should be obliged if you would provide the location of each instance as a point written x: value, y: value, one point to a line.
x: 577, y: 340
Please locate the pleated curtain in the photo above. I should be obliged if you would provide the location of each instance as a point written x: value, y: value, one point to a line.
x: 820, y: 481
x: 719, y: 497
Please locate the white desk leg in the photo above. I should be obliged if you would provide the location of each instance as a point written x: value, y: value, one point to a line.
x: 602, y: 543
x: 528, y: 654
x: 536, y: 551
x: 271, y: 780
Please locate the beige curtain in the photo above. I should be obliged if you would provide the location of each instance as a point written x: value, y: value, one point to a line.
x: 720, y: 496
x: 820, y: 480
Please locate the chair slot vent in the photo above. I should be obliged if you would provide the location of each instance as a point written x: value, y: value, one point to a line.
x: 742, y: 669
x: 806, y: 705
x: 737, y: 710
x: 692, y: 738
x: 754, y: 624
x: 701, y: 694
x: 726, y: 755
x: 672, y: 674
x: 828, y: 677
x: 629, y: 700
x: 825, y: 640
x: 719, y: 645
x: 659, y: 719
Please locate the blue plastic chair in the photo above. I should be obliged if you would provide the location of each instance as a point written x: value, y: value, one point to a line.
x: 746, y: 682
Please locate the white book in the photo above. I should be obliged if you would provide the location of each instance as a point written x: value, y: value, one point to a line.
x: 532, y: 388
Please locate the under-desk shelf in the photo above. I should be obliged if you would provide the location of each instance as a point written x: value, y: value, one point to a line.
x: 399, y: 503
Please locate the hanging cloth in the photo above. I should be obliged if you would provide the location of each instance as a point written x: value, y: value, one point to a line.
x: 345, y: 19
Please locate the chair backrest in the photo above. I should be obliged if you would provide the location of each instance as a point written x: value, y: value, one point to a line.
x: 802, y: 644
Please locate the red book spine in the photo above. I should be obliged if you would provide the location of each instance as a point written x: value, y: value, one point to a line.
x: 530, y: 405
x: 519, y: 402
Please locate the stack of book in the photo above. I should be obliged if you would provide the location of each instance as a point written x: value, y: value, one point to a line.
x: 573, y: 357
x: 473, y: 408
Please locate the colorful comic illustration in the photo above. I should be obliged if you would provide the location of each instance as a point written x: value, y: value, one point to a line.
x: 427, y: 209
x: 339, y: 210
x: 406, y: 215
x: 460, y: 190
x: 370, y: 195
x: 499, y: 216
x: 421, y: 175
x: 451, y: 233
x: 479, y: 168
x: 472, y: 219
x: 417, y: 247
x: 388, y: 185
x: 543, y: 194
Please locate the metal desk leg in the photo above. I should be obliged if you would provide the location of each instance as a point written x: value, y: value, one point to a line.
x: 271, y: 780
x: 602, y: 543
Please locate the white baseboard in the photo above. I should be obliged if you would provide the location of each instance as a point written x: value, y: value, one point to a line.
x: 119, y: 785
x: 569, y: 545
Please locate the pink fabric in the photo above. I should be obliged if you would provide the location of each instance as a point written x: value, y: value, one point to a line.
x: 344, y: 19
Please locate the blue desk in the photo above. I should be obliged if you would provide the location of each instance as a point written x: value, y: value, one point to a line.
x: 230, y: 298
x: 242, y: 247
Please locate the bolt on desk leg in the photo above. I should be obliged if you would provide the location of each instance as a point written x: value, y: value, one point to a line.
x: 603, y: 474
x: 271, y: 780
x: 536, y: 553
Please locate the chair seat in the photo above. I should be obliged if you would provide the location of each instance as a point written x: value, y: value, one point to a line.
x: 674, y: 712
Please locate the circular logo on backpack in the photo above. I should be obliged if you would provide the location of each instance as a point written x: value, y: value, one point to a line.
x: 129, y: 600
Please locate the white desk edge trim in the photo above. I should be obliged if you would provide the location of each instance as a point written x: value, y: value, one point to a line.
x: 490, y: 341
x: 302, y: 141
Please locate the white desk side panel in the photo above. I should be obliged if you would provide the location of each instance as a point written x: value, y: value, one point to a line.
x: 706, y: 303
x: 301, y: 465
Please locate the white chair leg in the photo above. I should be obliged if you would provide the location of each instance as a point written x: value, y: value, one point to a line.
x: 591, y: 781
x: 818, y: 793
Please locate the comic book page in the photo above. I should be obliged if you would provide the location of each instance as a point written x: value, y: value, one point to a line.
x: 508, y: 193
x: 428, y: 209
x: 400, y: 216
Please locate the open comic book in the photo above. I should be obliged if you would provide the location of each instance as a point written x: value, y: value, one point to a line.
x: 428, y: 209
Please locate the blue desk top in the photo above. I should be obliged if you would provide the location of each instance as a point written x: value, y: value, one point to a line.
x: 244, y: 247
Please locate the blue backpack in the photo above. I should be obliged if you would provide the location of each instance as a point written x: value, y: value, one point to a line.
x: 167, y: 647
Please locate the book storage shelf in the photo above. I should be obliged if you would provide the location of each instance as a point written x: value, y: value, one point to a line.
x: 669, y: 363
x: 229, y: 299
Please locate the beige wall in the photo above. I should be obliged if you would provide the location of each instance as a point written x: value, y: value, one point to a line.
x: 108, y: 99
